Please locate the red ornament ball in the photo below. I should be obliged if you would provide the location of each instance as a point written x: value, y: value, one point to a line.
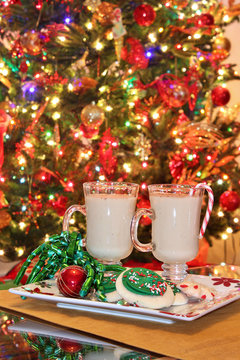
x: 144, y: 15
x: 23, y: 67
x: 70, y: 280
x: 220, y: 96
x: 230, y: 200
x: 133, y: 52
x: 69, y: 346
x: 205, y: 20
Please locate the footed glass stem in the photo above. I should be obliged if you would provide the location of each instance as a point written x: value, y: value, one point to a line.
x: 174, y: 272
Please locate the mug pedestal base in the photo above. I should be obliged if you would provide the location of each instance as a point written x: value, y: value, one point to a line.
x: 174, y: 272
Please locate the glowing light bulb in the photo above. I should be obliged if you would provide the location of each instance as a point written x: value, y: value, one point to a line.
x: 164, y: 48
x: 89, y: 25
x: 56, y: 115
x: 22, y: 225
x: 152, y: 37
x: 220, y: 214
x: 143, y: 186
x: 235, y: 220
x: 224, y: 236
x: 127, y: 167
x: 101, y: 177
x: 55, y: 100
x: 2, y: 252
x: 229, y: 230
x: 98, y: 46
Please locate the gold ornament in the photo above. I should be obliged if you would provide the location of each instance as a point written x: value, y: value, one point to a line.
x: 118, y: 43
x: 5, y: 219
x: 104, y: 13
x: 142, y: 147
x: 200, y: 135
x: 80, y: 86
x: 180, y: 4
x: 92, y: 4
x: 92, y: 116
x: 222, y: 43
x: 31, y: 43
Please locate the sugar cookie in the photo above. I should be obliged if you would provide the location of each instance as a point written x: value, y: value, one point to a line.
x: 144, y: 288
x: 193, y: 289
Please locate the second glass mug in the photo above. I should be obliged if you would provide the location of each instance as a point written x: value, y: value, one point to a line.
x: 109, y: 208
x: 175, y: 213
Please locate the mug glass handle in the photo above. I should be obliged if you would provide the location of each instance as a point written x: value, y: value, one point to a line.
x: 134, y: 229
x: 68, y: 214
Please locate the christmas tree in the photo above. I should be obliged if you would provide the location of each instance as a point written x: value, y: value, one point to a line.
x: 113, y: 90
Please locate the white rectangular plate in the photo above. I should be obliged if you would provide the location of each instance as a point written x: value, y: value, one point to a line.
x: 227, y: 290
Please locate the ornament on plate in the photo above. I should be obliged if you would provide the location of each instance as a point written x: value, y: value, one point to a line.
x: 229, y: 200
x: 179, y: 4
x: 31, y: 42
x: 204, y: 20
x: 133, y: 53
x: 142, y: 147
x: 69, y: 346
x: 172, y: 90
x: 70, y: 280
x: 200, y: 135
x: 104, y: 13
x: 144, y: 15
x: 92, y: 116
x: 92, y: 5
x: 118, y: 31
x: 220, y: 96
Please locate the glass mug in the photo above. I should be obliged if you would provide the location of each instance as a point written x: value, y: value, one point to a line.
x: 109, y: 208
x: 175, y: 213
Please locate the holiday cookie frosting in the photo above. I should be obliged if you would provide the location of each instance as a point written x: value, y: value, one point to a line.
x: 109, y: 283
x: 144, y: 282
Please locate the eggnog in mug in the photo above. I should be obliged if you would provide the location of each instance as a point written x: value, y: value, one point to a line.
x: 176, y: 225
x: 109, y: 208
x: 108, y: 225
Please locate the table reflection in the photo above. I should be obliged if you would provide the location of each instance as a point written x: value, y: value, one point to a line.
x: 22, y: 339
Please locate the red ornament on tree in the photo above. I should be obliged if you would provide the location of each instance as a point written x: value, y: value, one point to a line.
x: 87, y: 132
x: 176, y: 166
x: 134, y: 53
x: 70, y: 280
x: 204, y: 20
x: 23, y: 67
x: 144, y: 15
x: 230, y: 200
x: 220, y: 96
